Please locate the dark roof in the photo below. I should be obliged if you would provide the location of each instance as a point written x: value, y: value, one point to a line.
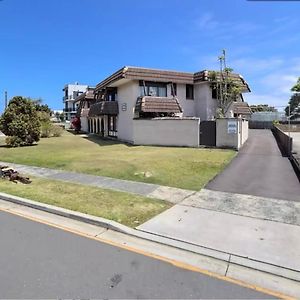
x: 148, y: 75
x: 157, y: 105
x: 241, y: 108
x: 88, y: 95
x: 104, y: 108
x: 214, y: 76
x: 164, y: 76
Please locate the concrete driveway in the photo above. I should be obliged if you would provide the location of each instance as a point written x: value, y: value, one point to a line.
x: 260, y: 170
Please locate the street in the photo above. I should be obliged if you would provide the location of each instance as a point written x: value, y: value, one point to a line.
x: 39, y: 261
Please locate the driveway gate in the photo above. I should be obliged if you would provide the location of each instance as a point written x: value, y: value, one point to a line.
x: 208, y: 133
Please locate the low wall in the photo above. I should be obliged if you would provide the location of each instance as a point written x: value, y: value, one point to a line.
x: 231, y: 132
x: 167, y: 132
x: 260, y: 124
x: 284, y: 141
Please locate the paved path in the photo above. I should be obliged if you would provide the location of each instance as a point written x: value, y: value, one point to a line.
x: 170, y: 194
x: 260, y: 170
x: 38, y: 261
x: 252, y: 237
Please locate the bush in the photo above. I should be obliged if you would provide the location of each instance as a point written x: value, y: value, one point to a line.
x: 13, y: 141
x: 56, y: 131
x: 46, y: 129
x: 20, y: 123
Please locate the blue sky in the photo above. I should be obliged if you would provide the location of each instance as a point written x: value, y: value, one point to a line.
x: 47, y: 43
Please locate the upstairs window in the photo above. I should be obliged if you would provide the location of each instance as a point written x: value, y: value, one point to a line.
x: 189, y: 91
x: 154, y: 89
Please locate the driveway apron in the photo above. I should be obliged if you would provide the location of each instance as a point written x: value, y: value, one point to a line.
x: 259, y: 169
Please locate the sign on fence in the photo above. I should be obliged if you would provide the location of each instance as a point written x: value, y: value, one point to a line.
x: 232, y: 127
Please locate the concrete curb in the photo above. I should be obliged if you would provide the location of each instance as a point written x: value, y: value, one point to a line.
x: 115, y: 226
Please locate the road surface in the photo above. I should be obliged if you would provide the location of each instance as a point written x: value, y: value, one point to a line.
x: 39, y: 261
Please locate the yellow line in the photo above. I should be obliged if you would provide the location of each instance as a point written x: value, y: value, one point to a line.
x: 152, y: 255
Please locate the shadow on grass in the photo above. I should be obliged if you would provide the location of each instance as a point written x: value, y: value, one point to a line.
x: 102, y: 141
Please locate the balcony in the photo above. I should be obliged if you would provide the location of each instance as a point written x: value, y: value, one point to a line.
x: 104, y: 108
x: 69, y: 98
x: 69, y: 110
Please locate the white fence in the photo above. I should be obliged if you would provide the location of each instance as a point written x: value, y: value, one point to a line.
x: 231, y: 132
x: 167, y: 132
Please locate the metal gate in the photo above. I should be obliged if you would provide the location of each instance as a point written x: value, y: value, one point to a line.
x: 208, y: 133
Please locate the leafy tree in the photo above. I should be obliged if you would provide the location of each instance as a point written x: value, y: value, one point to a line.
x: 20, y: 122
x: 295, y: 98
x: 43, y: 107
x: 263, y: 107
x: 227, y: 89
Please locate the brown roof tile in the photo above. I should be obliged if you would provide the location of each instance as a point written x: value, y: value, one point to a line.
x: 241, y: 108
x: 157, y: 105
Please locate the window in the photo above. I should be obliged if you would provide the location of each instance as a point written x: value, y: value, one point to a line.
x: 155, y: 89
x: 111, y: 94
x: 189, y: 91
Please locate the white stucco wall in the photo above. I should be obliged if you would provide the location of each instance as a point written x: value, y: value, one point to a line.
x: 84, y: 124
x: 127, y: 96
x: 244, y: 129
x: 167, y: 132
x: 205, y: 105
x: 231, y: 140
x: 188, y: 105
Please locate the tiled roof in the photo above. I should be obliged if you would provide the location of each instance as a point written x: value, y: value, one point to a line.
x: 216, y: 76
x: 104, y: 108
x: 147, y: 75
x: 88, y: 95
x: 135, y: 73
x: 241, y: 108
x: 157, y: 105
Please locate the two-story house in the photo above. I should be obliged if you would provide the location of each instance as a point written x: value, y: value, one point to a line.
x: 177, y: 99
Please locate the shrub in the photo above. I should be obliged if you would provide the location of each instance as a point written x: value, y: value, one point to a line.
x: 13, y: 141
x: 56, y: 131
x: 20, y: 123
x: 46, y: 128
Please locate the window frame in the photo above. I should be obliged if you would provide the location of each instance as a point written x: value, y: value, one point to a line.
x: 189, y: 88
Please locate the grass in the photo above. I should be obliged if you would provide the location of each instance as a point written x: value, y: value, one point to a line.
x: 128, y: 209
x: 186, y: 168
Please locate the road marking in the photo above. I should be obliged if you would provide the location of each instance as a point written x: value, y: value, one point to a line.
x: 173, y: 262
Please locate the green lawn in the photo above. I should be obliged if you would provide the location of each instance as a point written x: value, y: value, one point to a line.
x: 186, y: 168
x: 128, y: 209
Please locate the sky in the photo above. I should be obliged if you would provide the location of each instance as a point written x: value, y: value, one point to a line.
x: 46, y: 44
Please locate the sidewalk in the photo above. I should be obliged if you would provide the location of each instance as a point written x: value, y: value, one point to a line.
x: 250, y: 229
x: 170, y: 194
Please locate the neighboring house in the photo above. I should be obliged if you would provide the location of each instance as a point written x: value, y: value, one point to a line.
x: 134, y: 103
x: 238, y: 109
x: 71, y: 92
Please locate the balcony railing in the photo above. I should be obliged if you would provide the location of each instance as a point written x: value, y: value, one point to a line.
x: 71, y: 110
x: 69, y: 98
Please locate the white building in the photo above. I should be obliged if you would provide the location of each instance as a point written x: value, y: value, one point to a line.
x: 71, y: 92
x: 150, y: 106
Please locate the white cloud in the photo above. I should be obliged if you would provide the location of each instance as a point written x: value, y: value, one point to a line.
x: 206, y: 21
